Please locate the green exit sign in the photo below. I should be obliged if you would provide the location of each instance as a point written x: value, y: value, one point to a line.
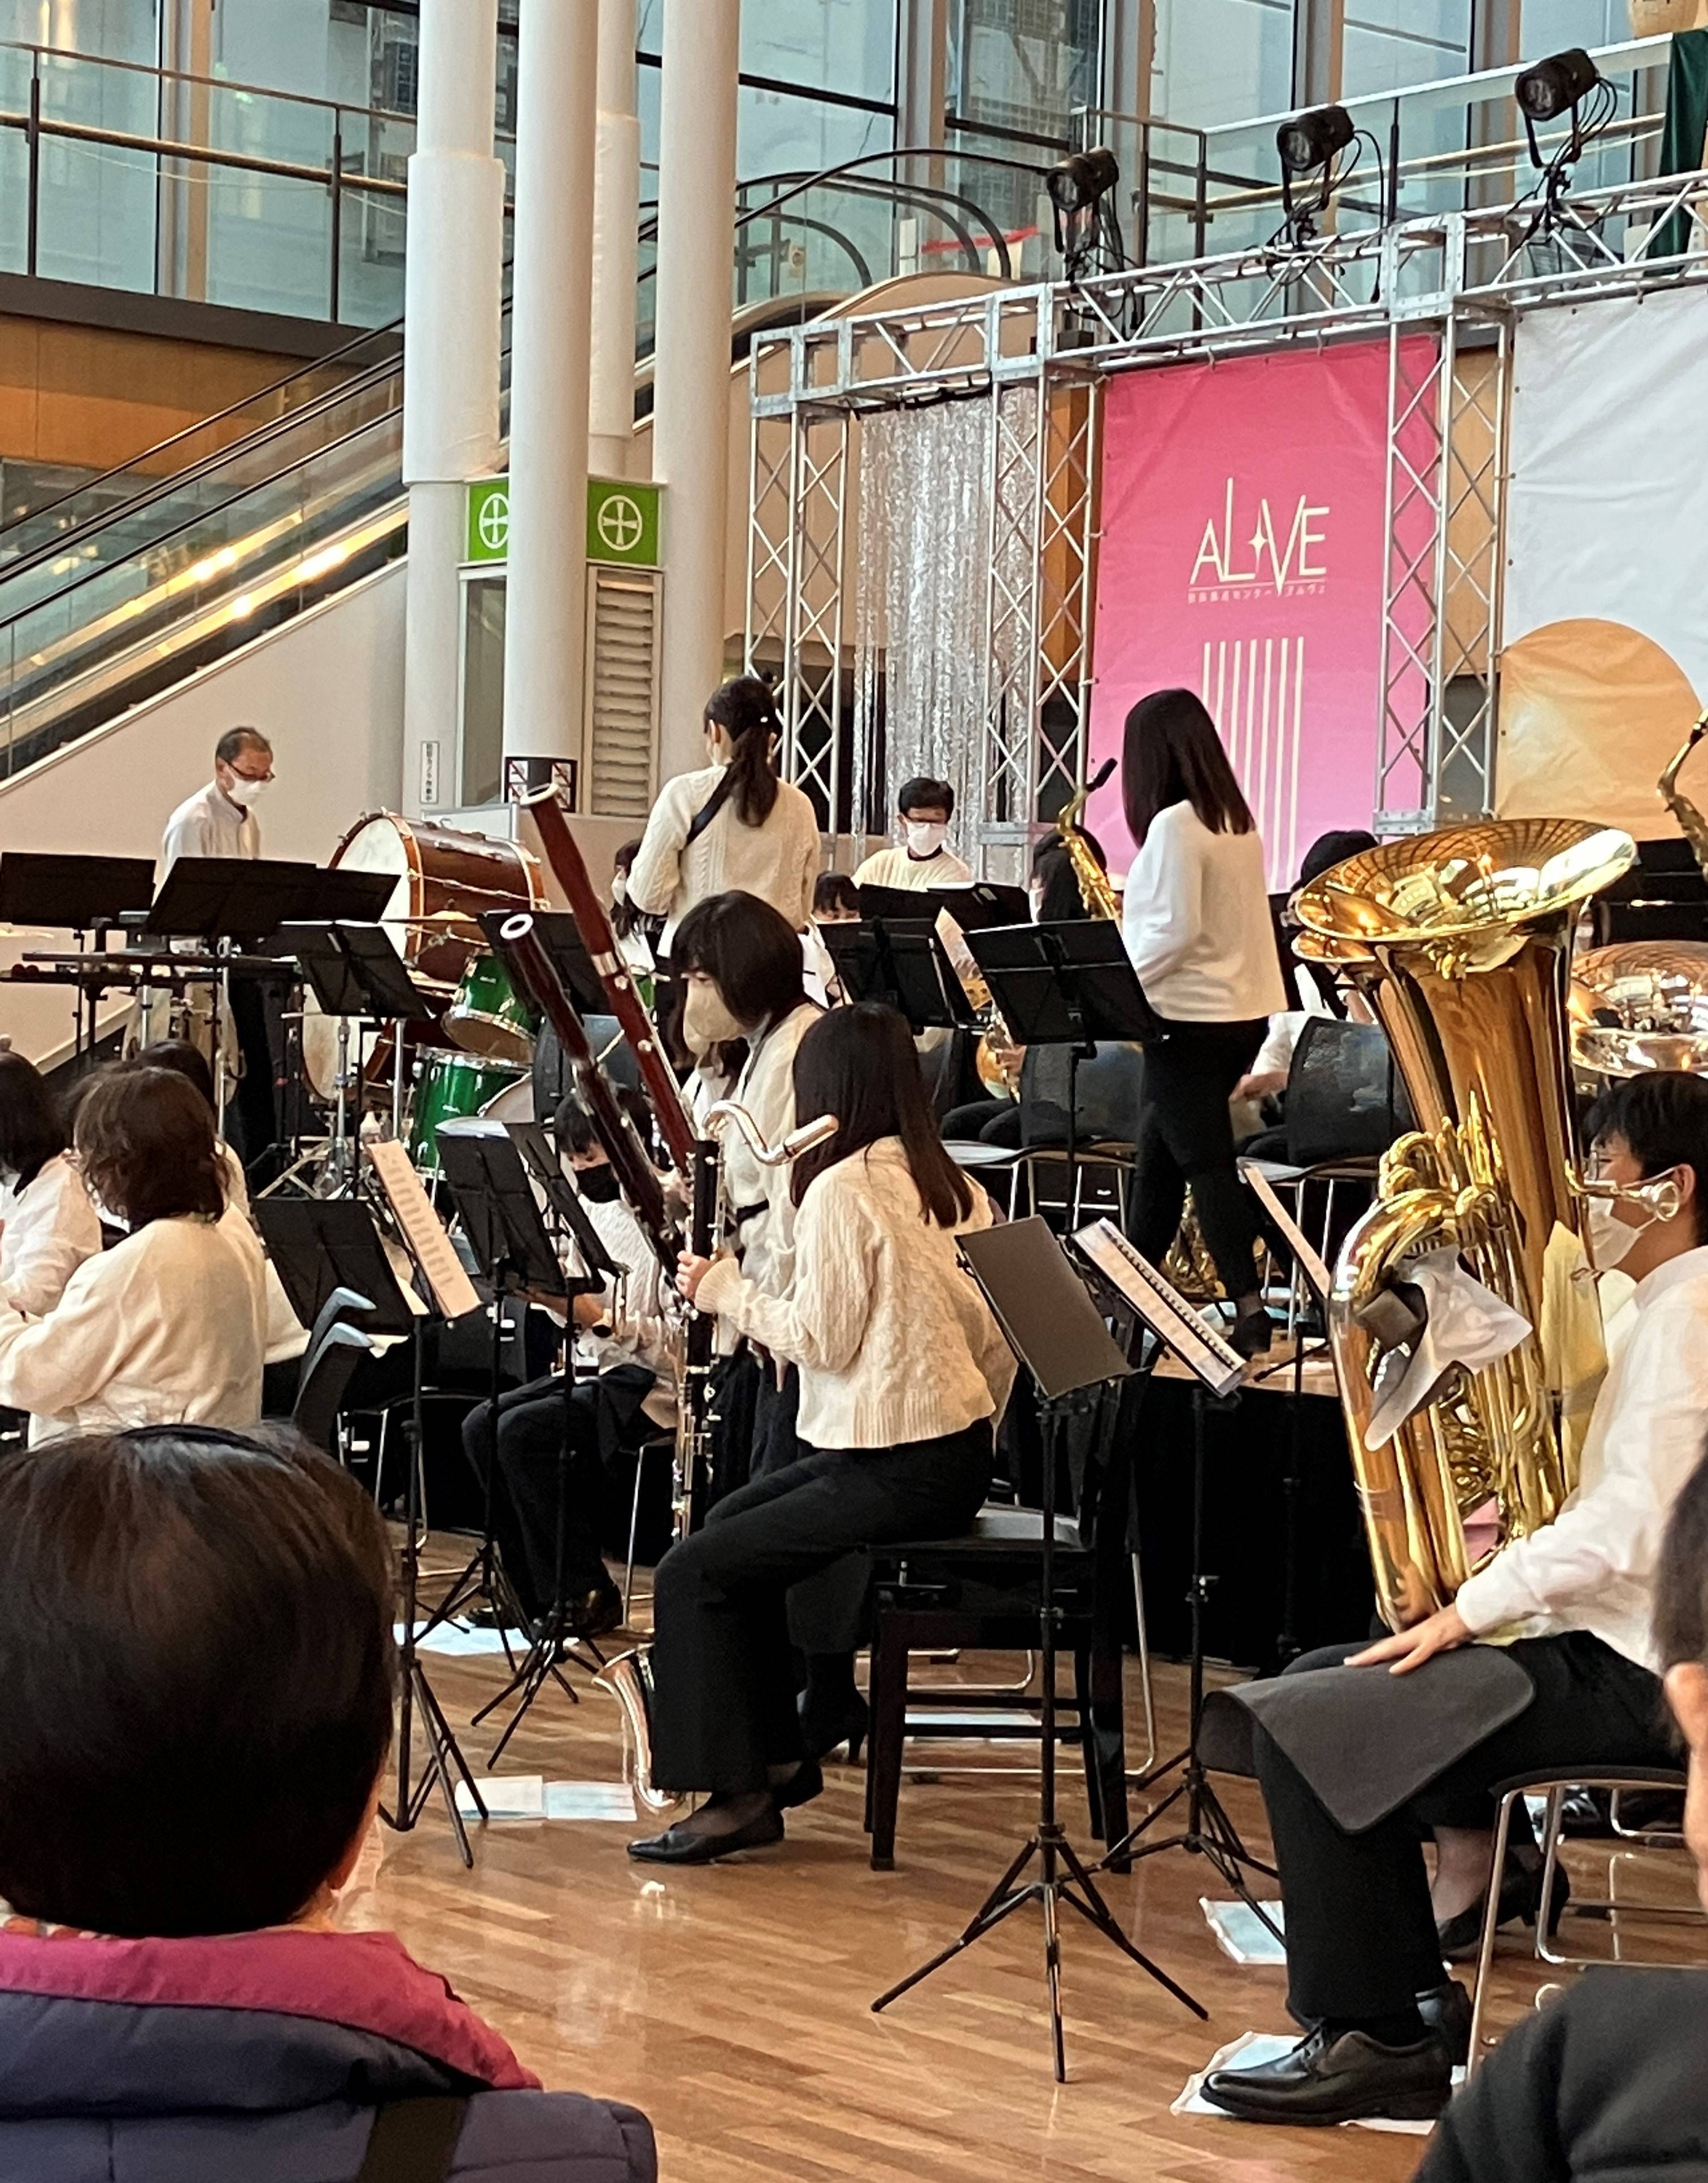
x: 623, y: 521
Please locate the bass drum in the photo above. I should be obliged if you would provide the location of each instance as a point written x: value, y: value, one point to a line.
x: 436, y: 868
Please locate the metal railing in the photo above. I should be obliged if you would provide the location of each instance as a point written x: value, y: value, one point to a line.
x: 124, y: 175
x: 1454, y: 145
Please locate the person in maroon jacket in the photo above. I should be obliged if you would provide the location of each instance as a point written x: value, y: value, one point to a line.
x: 194, y: 1715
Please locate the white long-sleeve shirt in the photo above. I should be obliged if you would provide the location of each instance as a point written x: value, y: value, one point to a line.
x: 896, y: 867
x: 168, y: 1327
x: 1195, y: 919
x: 50, y: 1229
x: 778, y: 861
x: 1594, y: 1567
x: 209, y: 825
x: 637, y: 1310
x: 766, y: 1088
x: 894, y: 1342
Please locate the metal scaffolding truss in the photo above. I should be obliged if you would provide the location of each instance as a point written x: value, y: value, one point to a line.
x: 1446, y: 290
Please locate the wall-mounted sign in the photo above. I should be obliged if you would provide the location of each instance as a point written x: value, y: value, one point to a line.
x: 623, y: 521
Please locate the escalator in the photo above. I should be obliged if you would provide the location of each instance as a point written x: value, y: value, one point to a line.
x: 133, y: 580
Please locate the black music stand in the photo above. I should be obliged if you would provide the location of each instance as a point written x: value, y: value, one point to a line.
x: 902, y: 962
x: 1067, y: 985
x: 84, y: 895
x: 1052, y: 1325
x: 560, y: 936
x: 319, y: 1245
x: 488, y: 1183
x: 355, y: 971
x: 532, y: 1140
x: 1217, y: 1371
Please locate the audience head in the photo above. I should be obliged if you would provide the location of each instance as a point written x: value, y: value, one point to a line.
x: 740, y: 965
x: 836, y: 899
x: 1328, y: 850
x: 580, y: 1152
x: 198, y: 1703
x: 742, y: 728
x: 243, y: 765
x: 1055, y: 886
x: 1651, y: 1129
x: 1172, y: 754
x: 1681, y: 1639
x: 31, y: 1129
x: 146, y: 1149
x: 185, y: 1060
x: 859, y: 1065
x: 625, y: 917
x: 925, y: 807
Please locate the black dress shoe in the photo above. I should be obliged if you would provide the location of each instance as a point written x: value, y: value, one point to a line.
x: 806, y: 1782
x: 1461, y: 1938
x: 677, y: 1845
x: 825, y: 1732
x: 1446, y: 2011
x: 1333, y: 2080
x: 597, y: 1612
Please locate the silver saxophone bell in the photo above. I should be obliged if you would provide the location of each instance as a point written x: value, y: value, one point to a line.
x: 629, y: 1679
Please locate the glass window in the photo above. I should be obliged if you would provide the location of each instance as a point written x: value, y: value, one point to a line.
x: 1389, y: 44
x: 1221, y: 60
x: 827, y: 45
x: 482, y: 767
x: 1549, y: 26
x: 1021, y: 66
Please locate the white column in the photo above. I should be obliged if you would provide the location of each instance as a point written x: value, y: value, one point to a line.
x: 697, y: 185
x: 552, y: 278
x: 453, y: 302
x: 616, y: 215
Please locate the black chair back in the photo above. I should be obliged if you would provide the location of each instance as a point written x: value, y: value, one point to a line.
x: 326, y: 1376
x: 343, y: 1306
x: 1106, y: 1094
x: 1344, y: 1096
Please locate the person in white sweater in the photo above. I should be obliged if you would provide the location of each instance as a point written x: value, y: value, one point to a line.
x: 733, y: 823
x: 168, y: 1327
x: 922, y: 859
x: 1197, y: 925
x: 741, y: 969
x: 47, y: 1227
x: 903, y: 1375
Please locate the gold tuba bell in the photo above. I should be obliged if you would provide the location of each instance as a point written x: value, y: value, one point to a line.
x: 1461, y: 942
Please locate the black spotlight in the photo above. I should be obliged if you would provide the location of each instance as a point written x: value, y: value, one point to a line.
x: 1309, y: 144
x: 1081, y: 189
x: 1555, y: 85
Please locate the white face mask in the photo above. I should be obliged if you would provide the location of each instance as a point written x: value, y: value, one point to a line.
x: 706, y: 1022
x: 924, y: 837
x: 620, y: 887
x: 1610, y: 1237
x: 248, y: 793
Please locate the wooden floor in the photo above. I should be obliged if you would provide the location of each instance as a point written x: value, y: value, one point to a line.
x: 731, y: 2003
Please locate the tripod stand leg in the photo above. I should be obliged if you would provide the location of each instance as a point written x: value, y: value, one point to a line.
x: 1097, y: 1913
x: 996, y: 1906
x: 1052, y: 1966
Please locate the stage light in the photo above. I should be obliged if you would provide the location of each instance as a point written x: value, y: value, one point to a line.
x: 1309, y: 144
x: 1554, y: 87
x: 1309, y: 141
x: 1075, y: 184
x: 1081, y: 188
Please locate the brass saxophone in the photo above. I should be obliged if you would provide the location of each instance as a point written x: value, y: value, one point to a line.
x: 1693, y: 825
x: 1461, y: 941
x: 1096, y: 889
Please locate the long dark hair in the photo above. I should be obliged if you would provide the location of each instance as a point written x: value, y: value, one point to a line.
x: 625, y: 917
x: 1172, y: 754
x: 746, y: 711
x: 749, y: 951
x: 859, y: 1064
x: 31, y: 1131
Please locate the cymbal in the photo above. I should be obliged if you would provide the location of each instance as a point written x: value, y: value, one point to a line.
x: 445, y: 920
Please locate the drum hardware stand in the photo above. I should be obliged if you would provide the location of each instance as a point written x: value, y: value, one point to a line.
x: 1054, y: 1327
x: 484, y: 1170
x: 87, y: 895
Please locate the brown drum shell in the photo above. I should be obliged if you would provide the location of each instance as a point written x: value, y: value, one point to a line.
x: 448, y: 868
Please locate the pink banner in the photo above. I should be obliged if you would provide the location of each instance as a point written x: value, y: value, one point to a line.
x: 1243, y: 544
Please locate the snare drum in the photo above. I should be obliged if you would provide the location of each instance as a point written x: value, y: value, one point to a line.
x: 486, y: 1016
x: 453, y: 1087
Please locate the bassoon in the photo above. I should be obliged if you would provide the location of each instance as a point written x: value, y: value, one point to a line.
x: 570, y: 867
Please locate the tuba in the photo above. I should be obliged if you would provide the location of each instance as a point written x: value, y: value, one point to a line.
x: 1639, y: 1005
x: 1461, y: 942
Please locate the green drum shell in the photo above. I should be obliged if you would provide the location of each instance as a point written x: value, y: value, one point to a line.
x: 487, y: 1016
x: 453, y: 1087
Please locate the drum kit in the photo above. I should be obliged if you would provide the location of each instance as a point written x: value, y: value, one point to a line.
x: 473, y: 1058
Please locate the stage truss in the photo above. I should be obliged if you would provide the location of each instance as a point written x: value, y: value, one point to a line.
x: 1445, y: 291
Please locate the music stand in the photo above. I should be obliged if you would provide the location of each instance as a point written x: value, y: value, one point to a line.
x: 560, y: 936
x: 1217, y: 1371
x: 903, y: 964
x: 1051, y: 1324
x: 533, y: 1142
x: 84, y: 895
x: 488, y: 1182
x: 355, y: 970
x: 319, y: 1244
x: 983, y: 904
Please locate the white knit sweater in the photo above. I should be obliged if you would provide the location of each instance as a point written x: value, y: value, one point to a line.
x: 894, y: 1342
x: 778, y: 861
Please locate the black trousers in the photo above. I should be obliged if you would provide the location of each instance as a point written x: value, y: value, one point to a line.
x: 1186, y: 1135
x: 605, y: 1420
x: 1361, y: 1933
x: 723, y: 1674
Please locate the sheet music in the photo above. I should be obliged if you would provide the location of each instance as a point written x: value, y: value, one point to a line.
x: 1309, y: 1260
x: 1162, y: 1307
x: 423, y: 1230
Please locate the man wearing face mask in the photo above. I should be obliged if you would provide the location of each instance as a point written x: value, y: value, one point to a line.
x: 624, y: 1395
x: 220, y: 819
x: 1367, y: 1933
x: 923, y: 859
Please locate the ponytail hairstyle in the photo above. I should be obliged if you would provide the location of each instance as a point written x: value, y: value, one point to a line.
x: 859, y: 1065
x: 1172, y: 754
x: 746, y: 711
